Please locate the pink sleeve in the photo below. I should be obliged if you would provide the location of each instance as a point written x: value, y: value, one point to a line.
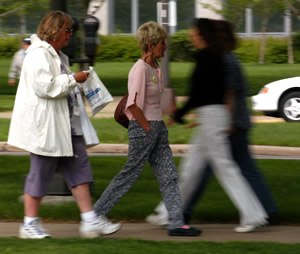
x: 136, y: 87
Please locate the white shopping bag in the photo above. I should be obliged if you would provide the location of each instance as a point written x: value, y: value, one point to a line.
x: 89, y: 133
x: 96, y: 93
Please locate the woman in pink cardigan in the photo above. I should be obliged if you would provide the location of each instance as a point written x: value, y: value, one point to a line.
x: 147, y: 132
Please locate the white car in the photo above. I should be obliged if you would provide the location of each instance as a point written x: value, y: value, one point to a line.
x: 281, y: 98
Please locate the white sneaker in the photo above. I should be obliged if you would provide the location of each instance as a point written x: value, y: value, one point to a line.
x: 102, y: 226
x: 157, y: 220
x: 248, y: 228
x: 33, y: 230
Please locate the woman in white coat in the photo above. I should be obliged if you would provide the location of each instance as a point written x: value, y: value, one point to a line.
x: 45, y: 122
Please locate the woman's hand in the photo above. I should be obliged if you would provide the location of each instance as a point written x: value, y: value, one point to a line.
x: 140, y: 117
x: 81, y: 77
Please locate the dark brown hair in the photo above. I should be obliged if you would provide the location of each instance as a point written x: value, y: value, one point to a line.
x: 225, y: 35
x: 218, y: 34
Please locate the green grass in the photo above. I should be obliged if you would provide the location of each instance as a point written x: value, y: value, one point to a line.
x: 114, y: 75
x: 277, y: 134
x: 6, y: 102
x: 132, y: 246
x: 260, y: 75
x: 144, y: 195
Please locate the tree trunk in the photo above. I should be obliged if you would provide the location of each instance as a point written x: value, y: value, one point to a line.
x: 290, y: 8
x: 261, y: 59
x: 22, y: 25
x: 290, y: 49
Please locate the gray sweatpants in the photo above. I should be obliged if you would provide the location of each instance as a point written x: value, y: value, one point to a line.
x: 154, y: 147
x: 211, y: 145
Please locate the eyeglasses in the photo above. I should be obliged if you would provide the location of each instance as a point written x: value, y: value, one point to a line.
x: 69, y: 30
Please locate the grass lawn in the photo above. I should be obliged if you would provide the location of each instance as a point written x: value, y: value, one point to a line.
x: 283, y: 177
x: 114, y: 75
x: 278, y: 134
x: 132, y: 246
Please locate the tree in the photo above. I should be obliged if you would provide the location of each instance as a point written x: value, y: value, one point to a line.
x: 291, y: 5
x: 21, y: 9
x: 234, y: 11
x: 266, y: 8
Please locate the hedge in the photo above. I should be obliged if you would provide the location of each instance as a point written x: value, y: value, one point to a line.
x: 8, y: 46
x: 124, y: 48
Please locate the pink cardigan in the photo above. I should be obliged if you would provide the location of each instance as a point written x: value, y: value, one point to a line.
x: 145, y: 86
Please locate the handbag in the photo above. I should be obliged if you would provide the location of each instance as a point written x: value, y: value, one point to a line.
x: 120, y: 115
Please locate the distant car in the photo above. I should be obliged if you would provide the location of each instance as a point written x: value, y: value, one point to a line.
x: 280, y: 98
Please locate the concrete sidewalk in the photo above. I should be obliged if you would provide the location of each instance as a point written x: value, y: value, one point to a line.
x: 144, y: 231
x: 177, y: 149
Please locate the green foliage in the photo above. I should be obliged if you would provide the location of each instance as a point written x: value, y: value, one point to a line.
x: 248, y: 50
x: 180, y: 48
x: 8, y: 46
x: 276, y: 51
x: 124, y: 48
x: 119, y: 48
x: 296, y: 40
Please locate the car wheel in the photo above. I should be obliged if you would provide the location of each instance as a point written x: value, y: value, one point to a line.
x: 289, y: 107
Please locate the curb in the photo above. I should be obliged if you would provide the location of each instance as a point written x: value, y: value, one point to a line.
x: 177, y: 149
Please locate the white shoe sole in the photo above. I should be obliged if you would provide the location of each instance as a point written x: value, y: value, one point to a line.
x: 90, y: 235
x: 97, y: 233
x: 111, y: 231
x: 156, y: 220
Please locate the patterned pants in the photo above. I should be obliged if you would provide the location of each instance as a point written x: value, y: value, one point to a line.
x: 154, y: 147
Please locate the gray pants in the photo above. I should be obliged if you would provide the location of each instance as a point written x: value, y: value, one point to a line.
x: 211, y: 145
x: 154, y: 147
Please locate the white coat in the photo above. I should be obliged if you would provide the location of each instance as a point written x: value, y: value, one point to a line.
x: 40, y: 121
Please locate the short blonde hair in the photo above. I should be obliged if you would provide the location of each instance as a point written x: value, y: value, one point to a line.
x: 51, y: 24
x: 150, y: 32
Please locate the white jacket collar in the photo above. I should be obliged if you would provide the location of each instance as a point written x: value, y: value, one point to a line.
x: 36, y: 42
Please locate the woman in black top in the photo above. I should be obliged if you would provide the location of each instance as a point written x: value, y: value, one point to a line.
x: 213, y: 104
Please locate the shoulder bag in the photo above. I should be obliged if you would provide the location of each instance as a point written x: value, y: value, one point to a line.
x: 120, y: 115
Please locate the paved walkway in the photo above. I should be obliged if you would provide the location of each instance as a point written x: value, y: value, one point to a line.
x: 144, y: 231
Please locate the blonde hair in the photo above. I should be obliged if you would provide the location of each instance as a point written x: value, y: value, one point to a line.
x: 51, y: 24
x: 150, y: 32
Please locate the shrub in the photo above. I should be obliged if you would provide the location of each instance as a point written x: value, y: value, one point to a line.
x: 296, y: 40
x: 276, y: 51
x: 118, y: 48
x: 248, y: 50
x: 124, y: 48
x: 180, y: 48
x: 8, y: 46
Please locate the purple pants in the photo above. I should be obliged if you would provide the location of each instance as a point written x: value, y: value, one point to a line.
x: 76, y: 170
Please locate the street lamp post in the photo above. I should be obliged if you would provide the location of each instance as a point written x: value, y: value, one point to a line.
x: 168, y: 97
